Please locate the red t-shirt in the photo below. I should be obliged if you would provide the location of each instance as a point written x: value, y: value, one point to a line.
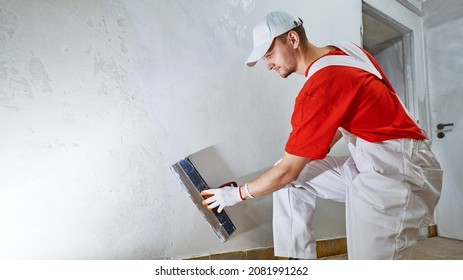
x: 351, y: 98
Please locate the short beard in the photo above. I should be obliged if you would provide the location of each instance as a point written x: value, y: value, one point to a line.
x: 285, y: 75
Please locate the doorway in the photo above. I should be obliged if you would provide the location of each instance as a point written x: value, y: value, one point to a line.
x: 390, y: 44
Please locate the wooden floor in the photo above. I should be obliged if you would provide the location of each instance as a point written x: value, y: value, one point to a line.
x: 439, y: 248
x: 435, y: 248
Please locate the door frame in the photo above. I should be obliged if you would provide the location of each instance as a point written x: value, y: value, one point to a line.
x: 395, y: 13
x: 407, y: 42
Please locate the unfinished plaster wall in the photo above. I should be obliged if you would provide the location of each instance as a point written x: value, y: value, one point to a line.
x: 99, y: 98
x: 80, y: 163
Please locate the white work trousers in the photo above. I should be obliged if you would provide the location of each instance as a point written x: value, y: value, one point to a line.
x: 390, y: 190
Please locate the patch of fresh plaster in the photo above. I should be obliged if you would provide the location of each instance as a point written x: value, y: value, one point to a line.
x: 39, y: 74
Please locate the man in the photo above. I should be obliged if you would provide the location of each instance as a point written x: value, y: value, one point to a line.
x: 390, y: 183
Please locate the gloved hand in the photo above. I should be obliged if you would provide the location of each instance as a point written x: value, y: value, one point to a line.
x: 226, y: 195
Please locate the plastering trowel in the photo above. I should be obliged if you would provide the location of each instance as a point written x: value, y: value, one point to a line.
x: 193, y: 183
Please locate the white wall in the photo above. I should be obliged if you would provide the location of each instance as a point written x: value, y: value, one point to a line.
x: 99, y: 98
x: 444, y: 58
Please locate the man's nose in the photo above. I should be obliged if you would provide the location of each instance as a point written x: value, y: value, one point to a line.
x: 270, y: 65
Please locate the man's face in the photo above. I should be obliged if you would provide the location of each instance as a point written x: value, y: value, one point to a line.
x: 281, y: 57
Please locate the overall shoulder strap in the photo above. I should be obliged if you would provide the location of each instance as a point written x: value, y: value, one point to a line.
x: 355, y: 58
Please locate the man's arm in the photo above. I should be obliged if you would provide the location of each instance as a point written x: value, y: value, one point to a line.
x: 336, y: 138
x: 278, y: 176
x: 281, y: 174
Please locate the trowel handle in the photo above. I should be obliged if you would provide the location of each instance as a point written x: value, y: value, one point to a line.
x: 229, y: 184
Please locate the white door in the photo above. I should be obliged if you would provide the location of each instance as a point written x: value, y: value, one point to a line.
x: 444, y: 55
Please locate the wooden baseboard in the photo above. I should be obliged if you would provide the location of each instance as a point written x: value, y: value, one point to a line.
x: 325, y: 248
x: 331, y: 247
x: 432, y: 231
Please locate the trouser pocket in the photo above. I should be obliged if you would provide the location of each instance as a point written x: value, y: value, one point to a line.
x: 378, y: 199
x: 427, y: 195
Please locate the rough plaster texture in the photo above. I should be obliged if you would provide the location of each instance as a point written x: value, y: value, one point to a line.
x: 98, y: 98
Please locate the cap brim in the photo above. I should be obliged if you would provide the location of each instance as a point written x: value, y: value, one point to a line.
x: 257, y: 53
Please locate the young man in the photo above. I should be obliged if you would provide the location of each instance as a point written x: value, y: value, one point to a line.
x: 390, y: 183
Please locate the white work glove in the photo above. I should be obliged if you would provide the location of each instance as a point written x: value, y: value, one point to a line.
x: 224, y: 196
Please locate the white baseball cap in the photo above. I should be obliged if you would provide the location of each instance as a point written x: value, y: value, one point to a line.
x: 273, y: 25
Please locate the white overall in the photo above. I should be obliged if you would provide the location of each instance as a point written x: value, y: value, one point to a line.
x: 390, y: 190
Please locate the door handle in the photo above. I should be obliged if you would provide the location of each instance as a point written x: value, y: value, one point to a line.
x: 442, y: 125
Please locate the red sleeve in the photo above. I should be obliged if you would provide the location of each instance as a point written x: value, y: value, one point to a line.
x: 319, y: 110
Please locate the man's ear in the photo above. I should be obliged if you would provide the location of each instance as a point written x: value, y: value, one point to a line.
x: 293, y: 38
